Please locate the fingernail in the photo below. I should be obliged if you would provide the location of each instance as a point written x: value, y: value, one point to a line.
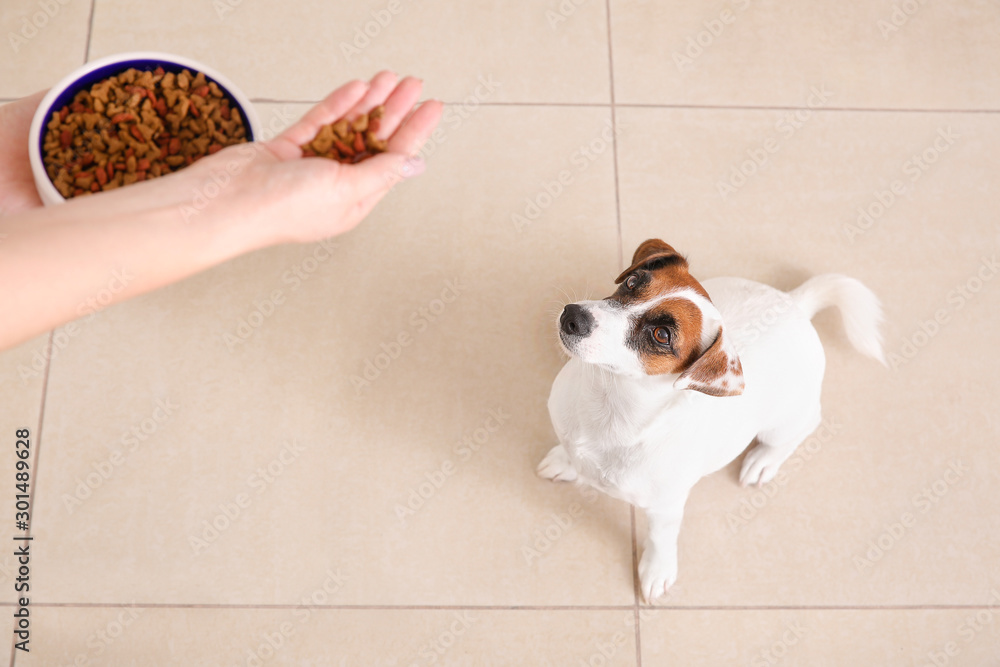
x: 414, y: 166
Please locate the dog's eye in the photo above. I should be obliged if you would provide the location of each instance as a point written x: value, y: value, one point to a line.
x: 631, y: 282
x: 661, y: 335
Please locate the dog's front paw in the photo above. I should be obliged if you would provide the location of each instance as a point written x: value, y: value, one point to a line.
x: 761, y: 464
x: 557, y: 466
x: 657, y: 572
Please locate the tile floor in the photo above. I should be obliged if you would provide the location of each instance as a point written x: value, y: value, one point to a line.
x: 202, y: 501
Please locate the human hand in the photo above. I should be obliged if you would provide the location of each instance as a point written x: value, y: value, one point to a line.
x: 243, y: 197
x: 280, y: 196
x: 17, y: 183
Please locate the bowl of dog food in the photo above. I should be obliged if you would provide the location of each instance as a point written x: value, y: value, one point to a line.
x: 133, y: 117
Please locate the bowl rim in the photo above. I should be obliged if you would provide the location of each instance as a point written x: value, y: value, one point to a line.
x: 46, y: 190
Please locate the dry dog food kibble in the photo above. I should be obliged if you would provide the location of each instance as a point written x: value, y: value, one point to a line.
x: 135, y: 126
x: 348, y: 141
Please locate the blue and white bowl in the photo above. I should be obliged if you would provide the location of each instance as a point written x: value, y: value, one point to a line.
x: 63, y: 93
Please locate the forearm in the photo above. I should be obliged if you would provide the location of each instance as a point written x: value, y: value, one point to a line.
x: 64, y: 262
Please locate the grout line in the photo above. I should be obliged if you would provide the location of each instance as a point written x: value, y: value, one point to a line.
x: 885, y: 607
x: 90, y: 31
x: 614, y: 155
x: 38, y: 430
x: 751, y: 107
x: 621, y: 259
x: 389, y: 607
x: 638, y: 637
x: 331, y: 607
x: 707, y: 107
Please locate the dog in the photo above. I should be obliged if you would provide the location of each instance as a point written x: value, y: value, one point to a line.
x: 670, y: 379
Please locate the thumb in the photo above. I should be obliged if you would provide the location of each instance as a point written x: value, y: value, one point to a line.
x: 377, y: 175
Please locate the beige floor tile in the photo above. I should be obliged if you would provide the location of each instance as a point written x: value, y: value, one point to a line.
x: 43, y: 41
x: 893, y: 432
x: 823, y: 638
x: 310, y: 636
x: 866, y: 54
x: 278, y: 51
x: 215, y: 376
x: 7, y: 626
x: 22, y: 376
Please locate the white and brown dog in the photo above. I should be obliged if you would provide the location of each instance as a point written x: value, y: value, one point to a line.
x: 671, y: 379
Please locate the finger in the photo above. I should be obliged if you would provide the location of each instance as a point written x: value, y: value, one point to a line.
x: 335, y: 106
x: 398, y: 105
x: 382, y: 84
x: 392, y: 174
x: 375, y: 176
x: 415, y: 131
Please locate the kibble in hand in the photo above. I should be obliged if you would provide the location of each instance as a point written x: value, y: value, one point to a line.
x: 348, y: 141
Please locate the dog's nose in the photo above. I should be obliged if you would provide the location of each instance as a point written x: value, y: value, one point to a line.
x: 576, y: 320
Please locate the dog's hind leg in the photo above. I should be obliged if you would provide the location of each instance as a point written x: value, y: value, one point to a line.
x: 773, y: 448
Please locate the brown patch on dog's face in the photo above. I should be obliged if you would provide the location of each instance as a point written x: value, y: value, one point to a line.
x: 667, y: 337
x: 657, y: 269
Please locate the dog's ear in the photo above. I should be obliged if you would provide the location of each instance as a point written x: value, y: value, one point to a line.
x: 650, y: 254
x: 717, y: 372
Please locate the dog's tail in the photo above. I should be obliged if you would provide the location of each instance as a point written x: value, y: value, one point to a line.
x: 858, y: 305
